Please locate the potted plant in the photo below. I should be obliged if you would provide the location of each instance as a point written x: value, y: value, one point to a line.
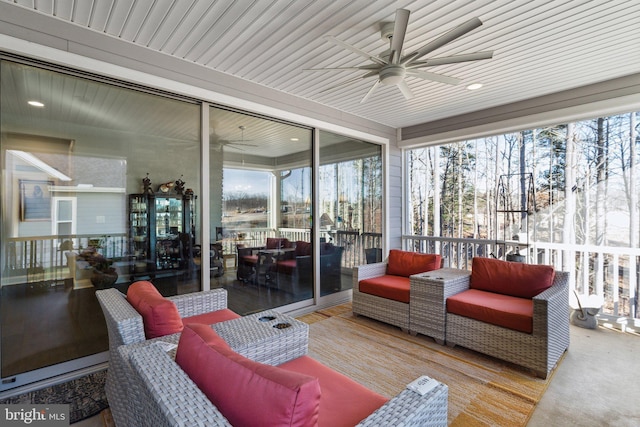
x: 104, y: 274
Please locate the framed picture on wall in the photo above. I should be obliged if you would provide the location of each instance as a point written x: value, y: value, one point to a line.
x: 35, y: 200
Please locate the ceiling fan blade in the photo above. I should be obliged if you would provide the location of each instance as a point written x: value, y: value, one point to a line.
x: 426, y: 75
x: 368, y: 94
x: 354, y: 49
x: 399, y: 32
x: 404, y: 88
x: 364, y: 67
x: 442, y: 40
x: 453, y: 59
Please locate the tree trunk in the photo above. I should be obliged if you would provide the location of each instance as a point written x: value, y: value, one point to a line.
x: 570, y: 187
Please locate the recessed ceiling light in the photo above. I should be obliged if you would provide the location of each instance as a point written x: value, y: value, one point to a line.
x: 474, y: 86
x: 295, y: 139
x: 36, y: 104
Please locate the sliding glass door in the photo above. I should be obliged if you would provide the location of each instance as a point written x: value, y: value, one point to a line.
x: 102, y: 185
x: 260, y: 208
x: 78, y: 213
x: 350, y: 227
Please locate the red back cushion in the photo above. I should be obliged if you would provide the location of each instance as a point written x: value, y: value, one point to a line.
x: 402, y: 263
x: 510, y: 278
x: 247, y: 393
x: 160, y: 316
x: 303, y: 248
x: 277, y: 243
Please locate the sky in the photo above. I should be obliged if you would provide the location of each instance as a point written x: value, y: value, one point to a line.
x: 246, y: 181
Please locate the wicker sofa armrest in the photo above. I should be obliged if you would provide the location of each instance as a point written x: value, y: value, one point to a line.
x: 124, y: 323
x: 408, y: 408
x: 551, y: 307
x: 166, y: 395
x: 200, y: 302
x: 368, y: 271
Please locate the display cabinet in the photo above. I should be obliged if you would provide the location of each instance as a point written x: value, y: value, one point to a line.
x: 161, y: 232
x: 140, y: 222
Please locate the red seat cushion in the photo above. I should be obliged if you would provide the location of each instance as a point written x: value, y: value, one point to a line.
x: 287, y: 266
x: 403, y: 263
x: 510, y: 278
x: 390, y: 287
x: 344, y: 402
x: 497, y: 309
x: 160, y: 316
x: 249, y: 259
x: 247, y: 393
x: 211, y: 317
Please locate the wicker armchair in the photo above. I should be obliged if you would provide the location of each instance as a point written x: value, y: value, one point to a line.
x: 385, y: 294
x: 539, y: 350
x: 125, y: 327
x: 168, y: 397
x: 383, y: 309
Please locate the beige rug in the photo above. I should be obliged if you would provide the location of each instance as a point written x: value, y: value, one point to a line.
x: 482, y: 391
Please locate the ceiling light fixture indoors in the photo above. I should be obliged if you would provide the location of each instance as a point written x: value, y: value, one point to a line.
x: 36, y: 104
x: 391, y: 67
x: 474, y: 86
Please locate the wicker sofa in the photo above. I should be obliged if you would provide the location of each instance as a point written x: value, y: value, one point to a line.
x: 165, y: 395
x: 125, y: 327
x: 381, y: 290
x: 512, y: 311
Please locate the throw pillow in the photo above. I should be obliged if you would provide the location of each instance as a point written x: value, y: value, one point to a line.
x: 247, y: 392
x: 160, y: 316
x: 403, y: 263
x: 510, y: 278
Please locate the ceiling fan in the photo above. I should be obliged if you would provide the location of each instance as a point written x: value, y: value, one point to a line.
x: 237, y: 143
x: 391, y: 67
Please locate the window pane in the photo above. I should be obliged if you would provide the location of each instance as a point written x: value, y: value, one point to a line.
x: 65, y: 210
x: 351, y: 208
x: 91, y: 144
x: 260, y: 221
x: 64, y: 228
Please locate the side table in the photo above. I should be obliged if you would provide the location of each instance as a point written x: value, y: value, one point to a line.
x: 428, y: 300
x: 267, y: 337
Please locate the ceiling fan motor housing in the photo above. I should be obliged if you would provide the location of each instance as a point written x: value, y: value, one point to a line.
x: 386, y: 31
x: 392, y: 74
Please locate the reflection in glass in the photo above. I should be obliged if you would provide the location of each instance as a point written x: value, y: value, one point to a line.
x: 68, y: 171
x: 261, y: 209
x: 351, y: 208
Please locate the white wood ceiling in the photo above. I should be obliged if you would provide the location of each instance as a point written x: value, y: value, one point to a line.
x: 541, y: 46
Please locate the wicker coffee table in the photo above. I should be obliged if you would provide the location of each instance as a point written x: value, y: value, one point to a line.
x: 429, y: 293
x: 267, y: 337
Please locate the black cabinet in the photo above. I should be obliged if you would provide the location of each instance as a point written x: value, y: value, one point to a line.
x: 161, y: 232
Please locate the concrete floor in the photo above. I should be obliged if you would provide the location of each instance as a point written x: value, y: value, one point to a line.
x: 597, y: 383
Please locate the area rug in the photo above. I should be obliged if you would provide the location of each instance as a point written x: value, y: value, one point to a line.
x: 483, y: 391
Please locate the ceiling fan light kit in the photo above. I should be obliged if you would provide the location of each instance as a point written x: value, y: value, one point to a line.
x: 391, y: 67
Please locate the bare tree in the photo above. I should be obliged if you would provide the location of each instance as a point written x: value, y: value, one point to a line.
x: 568, y: 228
